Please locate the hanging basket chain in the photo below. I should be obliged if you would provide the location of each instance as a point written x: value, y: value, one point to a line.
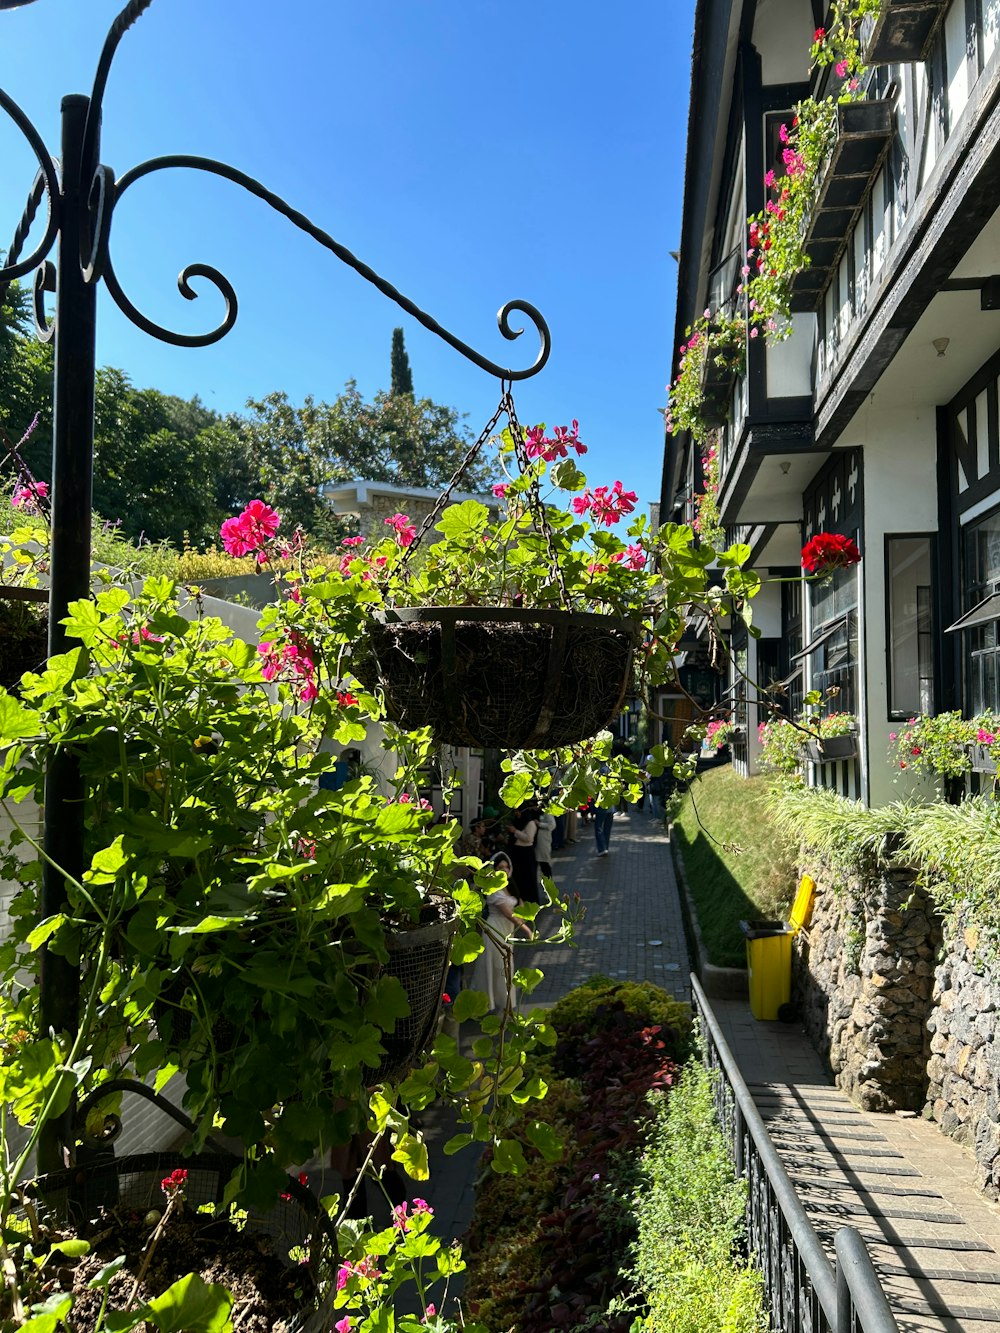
x: 460, y: 472
x: 535, y: 503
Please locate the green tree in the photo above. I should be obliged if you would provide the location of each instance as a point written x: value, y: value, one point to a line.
x: 292, y: 455
x: 413, y: 442
x: 402, y: 376
x: 25, y: 384
x: 295, y: 453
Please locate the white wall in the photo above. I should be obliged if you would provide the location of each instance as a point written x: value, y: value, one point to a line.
x: 789, y: 363
x: 900, y: 462
x: 783, y: 33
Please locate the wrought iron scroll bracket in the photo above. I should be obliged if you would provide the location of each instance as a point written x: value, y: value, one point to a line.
x: 104, y: 264
x: 95, y: 260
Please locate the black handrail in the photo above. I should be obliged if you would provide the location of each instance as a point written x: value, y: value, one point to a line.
x: 804, y: 1293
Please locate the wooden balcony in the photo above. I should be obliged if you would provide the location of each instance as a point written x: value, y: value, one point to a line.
x: 864, y: 133
x: 903, y: 32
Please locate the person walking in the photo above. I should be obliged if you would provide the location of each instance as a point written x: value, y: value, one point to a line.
x: 494, y: 968
x: 544, y: 843
x: 521, y: 848
x: 603, y: 821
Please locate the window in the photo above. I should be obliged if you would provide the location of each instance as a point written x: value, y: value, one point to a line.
x: 981, y: 578
x: 910, y: 637
x: 832, y: 650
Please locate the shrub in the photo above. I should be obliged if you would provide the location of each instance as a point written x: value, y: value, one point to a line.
x: 689, y: 1209
x: 601, y: 1006
x: 549, y: 1252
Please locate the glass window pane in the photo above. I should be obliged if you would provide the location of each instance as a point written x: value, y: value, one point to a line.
x: 911, y: 628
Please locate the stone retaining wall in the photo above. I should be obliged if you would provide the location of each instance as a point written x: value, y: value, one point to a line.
x: 963, y: 1093
x: 904, y: 1011
x: 863, y: 977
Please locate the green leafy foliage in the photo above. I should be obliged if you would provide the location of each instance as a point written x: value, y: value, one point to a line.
x: 688, y: 1205
x: 739, y: 862
x: 546, y: 1247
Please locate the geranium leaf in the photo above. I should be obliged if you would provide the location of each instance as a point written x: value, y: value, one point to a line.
x: 411, y: 1152
x: 191, y: 1305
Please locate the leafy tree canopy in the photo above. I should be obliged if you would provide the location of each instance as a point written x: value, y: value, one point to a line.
x: 171, y: 469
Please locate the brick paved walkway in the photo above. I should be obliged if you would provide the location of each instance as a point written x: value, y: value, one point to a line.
x: 632, y: 931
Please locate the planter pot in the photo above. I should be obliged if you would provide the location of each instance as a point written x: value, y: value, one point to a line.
x: 717, y: 383
x: 24, y: 634
x: 418, y: 959
x: 864, y: 133
x: 112, y: 1197
x: 255, y: 590
x: 830, y: 749
x: 117, y: 1193
x: 509, y: 679
x: 903, y: 32
x: 982, y: 759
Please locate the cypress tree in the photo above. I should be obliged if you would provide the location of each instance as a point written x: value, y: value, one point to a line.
x: 402, y: 376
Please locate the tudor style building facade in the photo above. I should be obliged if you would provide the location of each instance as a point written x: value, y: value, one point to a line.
x: 879, y: 416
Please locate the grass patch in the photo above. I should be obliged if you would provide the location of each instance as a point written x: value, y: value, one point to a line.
x: 739, y: 864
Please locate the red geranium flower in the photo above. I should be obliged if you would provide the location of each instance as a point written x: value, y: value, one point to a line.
x: 828, y: 551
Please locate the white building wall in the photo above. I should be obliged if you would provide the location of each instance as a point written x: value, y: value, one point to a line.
x: 900, y: 460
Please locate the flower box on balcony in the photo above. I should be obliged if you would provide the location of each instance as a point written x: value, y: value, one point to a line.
x: 864, y: 133
x: 982, y: 759
x: 903, y: 32
x: 719, y: 372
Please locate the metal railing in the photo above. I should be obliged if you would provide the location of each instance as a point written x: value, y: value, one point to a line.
x: 803, y: 1291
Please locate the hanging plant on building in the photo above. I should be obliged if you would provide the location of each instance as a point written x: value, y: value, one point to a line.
x: 839, y: 44
x: 707, y: 521
x: 777, y: 254
x: 715, y: 351
x: 934, y: 744
x: 777, y: 251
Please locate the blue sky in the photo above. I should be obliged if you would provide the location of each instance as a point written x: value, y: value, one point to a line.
x: 470, y: 151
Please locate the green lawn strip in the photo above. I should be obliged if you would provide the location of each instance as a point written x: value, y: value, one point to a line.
x: 739, y: 865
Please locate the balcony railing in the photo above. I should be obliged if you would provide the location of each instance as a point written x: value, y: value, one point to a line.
x: 803, y: 1292
x: 864, y: 133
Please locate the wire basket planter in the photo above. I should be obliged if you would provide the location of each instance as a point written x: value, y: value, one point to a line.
x: 276, y: 1252
x: 500, y: 676
x: 418, y: 959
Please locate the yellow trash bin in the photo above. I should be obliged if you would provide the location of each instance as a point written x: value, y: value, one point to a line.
x: 769, y: 954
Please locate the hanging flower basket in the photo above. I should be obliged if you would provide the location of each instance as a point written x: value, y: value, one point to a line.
x: 499, y: 677
x: 418, y: 959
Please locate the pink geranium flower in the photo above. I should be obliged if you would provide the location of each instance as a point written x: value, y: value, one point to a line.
x: 406, y: 532
x: 29, y: 497
x: 249, y: 532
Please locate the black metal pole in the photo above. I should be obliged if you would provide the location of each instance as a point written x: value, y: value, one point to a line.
x: 72, y: 485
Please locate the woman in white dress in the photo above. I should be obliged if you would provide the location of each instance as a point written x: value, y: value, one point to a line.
x: 491, y: 967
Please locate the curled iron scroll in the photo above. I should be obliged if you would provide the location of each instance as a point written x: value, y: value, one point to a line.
x: 46, y: 184
x: 300, y: 220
